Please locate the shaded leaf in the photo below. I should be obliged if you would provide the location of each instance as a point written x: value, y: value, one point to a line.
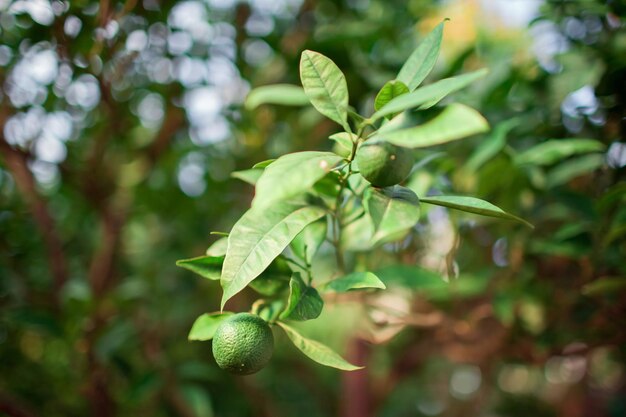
x: 422, y: 60
x: 354, y: 281
x: 605, y: 286
x: 320, y: 353
x: 472, y: 205
x: 393, y: 210
x: 263, y: 164
x: 430, y: 94
x: 325, y: 85
x: 304, y: 301
x: 390, y: 90
x: 291, y: 175
x: 274, y: 279
x: 557, y: 149
x: 205, y: 325
x: 209, y: 267
x: 344, y: 140
x: 309, y: 240
x: 258, y: 238
x: 282, y: 94
x: 456, y: 122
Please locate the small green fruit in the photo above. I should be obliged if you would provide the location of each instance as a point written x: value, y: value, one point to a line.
x: 243, y: 344
x: 384, y: 164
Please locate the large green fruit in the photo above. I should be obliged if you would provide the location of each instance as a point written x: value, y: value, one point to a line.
x: 243, y: 344
x: 384, y: 164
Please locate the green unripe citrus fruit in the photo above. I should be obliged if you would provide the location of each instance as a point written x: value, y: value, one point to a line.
x: 243, y: 344
x: 384, y: 164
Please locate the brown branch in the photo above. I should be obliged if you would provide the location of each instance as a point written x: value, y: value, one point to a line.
x: 16, y: 161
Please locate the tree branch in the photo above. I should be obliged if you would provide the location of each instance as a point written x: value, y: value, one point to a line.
x: 16, y: 162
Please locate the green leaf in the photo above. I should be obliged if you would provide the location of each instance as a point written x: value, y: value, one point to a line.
x: 325, y: 85
x: 390, y: 90
x: 258, y: 238
x: 456, y: 122
x: 250, y: 176
x: 569, y: 170
x: 422, y: 60
x: 304, y: 301
x: 218, y: 248
x: 394, y: 211
x: 282, y: 94
x: 320, y: 353
x: 291, y: 175
x: 354, y: 281
x: 357, y: 236
x: 472, y: 205
x: 605, y: 286
x: 209, y: 267
x: 204, y: 327
x: 309, y: 240
x: 269, y: 310
x: 430, y: 94
x: 491, y: 145
x: 555, y: 150
x: 263, y: 164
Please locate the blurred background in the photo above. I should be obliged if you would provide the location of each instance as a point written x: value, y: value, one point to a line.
x: 121, y: 123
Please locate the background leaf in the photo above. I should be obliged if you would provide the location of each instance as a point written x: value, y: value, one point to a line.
x: 554, y: 150
x: 472, y: 205
x: 394, y: 211
x: 490, y: 145
x: 205, y: 325
x: 291, y: 175
x: 318, y: 352
x: 283, y: 94
x: 422, y: 60
x: 308, y: 241
x: 304, y: 301
x: 354, y: 281
x: 325, y: 85
x: 258, y: 238
x: 456, y: 122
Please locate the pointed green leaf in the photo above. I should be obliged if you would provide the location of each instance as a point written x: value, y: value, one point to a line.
x: 304, y: 301
x: 472, y: 205
x: 456, y: 122
x: 422, y: 60
x: 320, y: 353
x: 557, y: 149
x: 390, y: 90
x: 263, y: 164
x: 209, y: 267
x: 573, y: 168
x: 429, y: 94
x: 282, y: 94
x: 605, y: 286
x: 291, y: 175
x: 269, y: 310
x: 325, y: 85
x: 394, y: 211
x: 308, y: 241
x: 354, y: 281
x: 258, y: 238
x: 218, y: 248
x: 204, y: 327
x: 250, y: 176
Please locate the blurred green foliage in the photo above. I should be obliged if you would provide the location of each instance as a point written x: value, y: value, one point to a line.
x: 122, y: 121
